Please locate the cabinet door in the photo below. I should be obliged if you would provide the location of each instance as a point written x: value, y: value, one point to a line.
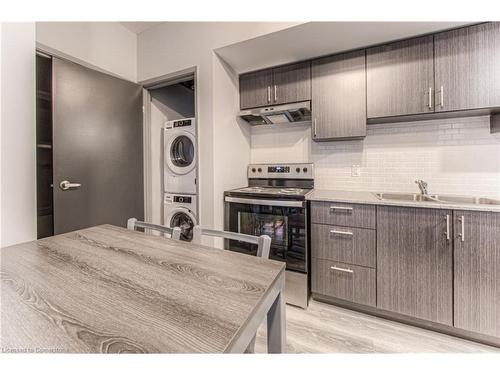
x: 400, y: 78
x: 339, y: 96
x: 414, y: 262
x: 292, y: 83
x: 467, y: 68
x: 477, y: 271
x: 255, y: 89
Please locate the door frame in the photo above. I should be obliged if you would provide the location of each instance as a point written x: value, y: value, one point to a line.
x: 155, y: 83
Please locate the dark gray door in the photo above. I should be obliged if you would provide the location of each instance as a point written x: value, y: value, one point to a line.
x: 400, y: 78
x: 255, y: 89
x: 339, y: 96
x: 415, y: 262
x: 467, y: 68
x: 292, y: 83
x: 97, y: 143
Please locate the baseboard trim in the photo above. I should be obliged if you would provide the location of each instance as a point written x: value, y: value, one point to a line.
x: 441, y: 328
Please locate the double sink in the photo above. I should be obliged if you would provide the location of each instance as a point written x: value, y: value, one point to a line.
x: 438, y: 198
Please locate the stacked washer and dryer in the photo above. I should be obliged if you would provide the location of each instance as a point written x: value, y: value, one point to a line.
x: 180, y: 174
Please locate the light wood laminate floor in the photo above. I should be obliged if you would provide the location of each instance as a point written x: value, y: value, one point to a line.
x: 324, y: 328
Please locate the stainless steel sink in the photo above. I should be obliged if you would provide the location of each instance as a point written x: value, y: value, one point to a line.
x: 409, y: 197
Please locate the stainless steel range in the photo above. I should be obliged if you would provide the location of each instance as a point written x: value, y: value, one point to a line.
x: 274, y: 203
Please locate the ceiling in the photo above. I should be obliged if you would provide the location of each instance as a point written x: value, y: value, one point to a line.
x: 313, y: 39
x: 139, y: 27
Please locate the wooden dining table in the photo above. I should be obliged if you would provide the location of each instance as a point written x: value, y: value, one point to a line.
x: 108, y: 289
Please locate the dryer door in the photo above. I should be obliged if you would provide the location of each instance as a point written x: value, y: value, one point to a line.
x: 184, y: 219
x: 180, y: 152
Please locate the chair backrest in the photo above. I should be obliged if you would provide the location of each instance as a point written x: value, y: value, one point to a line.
x: 133, y: 224
x: 263, y: 242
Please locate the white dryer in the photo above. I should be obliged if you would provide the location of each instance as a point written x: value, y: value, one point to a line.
x: 180, y: 211
x: 180, y: 156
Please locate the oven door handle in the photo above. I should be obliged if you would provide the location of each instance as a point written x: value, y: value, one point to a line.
x: 264, y: 202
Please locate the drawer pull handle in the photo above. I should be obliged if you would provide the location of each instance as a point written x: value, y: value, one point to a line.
x: 347, y: 270
x: 340, y: 208
x: 343, y: 232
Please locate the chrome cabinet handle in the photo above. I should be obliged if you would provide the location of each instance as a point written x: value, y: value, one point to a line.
x: 347, y: 270
x: 275, y: 93
x: 66, y: 185
x: 314, y: 128
x: 430, y: 97
x: 343, y: 232
x: 462, y: 229
x: 447, y: 227
x: 442, y: 97
x: 340, y: 208
x: 269, y: 94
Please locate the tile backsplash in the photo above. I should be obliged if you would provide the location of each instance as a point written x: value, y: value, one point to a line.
x: 455, y: 156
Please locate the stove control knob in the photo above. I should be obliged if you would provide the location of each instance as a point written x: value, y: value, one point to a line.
x: 259, y: 170
x: 297, y: 170
x: 253, y: 170
x: 304, y: 169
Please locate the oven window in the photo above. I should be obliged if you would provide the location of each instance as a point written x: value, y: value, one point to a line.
x: 275, y: 226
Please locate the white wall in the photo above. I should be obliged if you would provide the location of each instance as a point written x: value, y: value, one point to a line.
x: 224, y: 146
x: 455, y: 156
x: 106, y: 46
x: 18, y: 157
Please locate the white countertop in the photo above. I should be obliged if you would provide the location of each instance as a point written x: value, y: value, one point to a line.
x: 366, y: 197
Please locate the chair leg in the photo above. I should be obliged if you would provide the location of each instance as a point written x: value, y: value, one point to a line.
x: 251, y: 346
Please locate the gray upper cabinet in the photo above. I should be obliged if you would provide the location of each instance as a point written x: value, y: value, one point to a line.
x: 400, y: 78
x: 467, y: 64
x: 339, y: 96
x: 477, y: 272
x: 255, y: 89
x: 292, y: 83
x: 414, y: 262
x: 285, y: 84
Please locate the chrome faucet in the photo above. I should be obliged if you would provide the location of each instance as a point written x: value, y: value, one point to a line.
x: 422, y: 185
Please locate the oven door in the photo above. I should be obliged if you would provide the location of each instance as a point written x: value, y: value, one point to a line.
x: 282, y: 220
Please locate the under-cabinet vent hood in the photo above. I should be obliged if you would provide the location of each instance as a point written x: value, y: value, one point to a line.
x: 278, y: 114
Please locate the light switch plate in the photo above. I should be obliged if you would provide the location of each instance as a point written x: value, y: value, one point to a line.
x: 356, y: 170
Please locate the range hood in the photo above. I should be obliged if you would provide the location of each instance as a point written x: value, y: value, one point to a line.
x: 278, y: 114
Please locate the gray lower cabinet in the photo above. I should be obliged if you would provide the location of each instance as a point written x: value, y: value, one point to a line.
x: 339, y: 96
x: 400, y: 78
x: 344, y: 281
x: 415, y: 262
x: 255, y: 89
x: 292, y: 83
x: 467, y: 70
x: 344, y: 244
x: 477, y: 271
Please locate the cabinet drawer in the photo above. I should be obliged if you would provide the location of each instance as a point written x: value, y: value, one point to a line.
x: 345, y: 281
x: 344, y: 214
x: 344, y: 244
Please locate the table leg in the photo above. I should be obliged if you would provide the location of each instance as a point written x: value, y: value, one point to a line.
x: 276, y: 324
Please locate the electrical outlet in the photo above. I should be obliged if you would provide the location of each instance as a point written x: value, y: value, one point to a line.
x: 356, y: 170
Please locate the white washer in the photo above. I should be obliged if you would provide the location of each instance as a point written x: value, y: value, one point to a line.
x: 180, y: 211
x: 180, y: 156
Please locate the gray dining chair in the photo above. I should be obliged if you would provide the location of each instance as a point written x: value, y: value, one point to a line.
x: 263, y: 243
x: 134, y: 224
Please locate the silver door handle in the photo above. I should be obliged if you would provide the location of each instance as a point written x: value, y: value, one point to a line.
x: 66, y: 185
x: 442, y: 97
x: 462, y: 224
x: 275, y: 93
x: 340, y: 208
x: 335, y: 268
x: 314, y: 128
x: 430, y: 97
x: 269, y: 94
x: 447, y: 233
x: 343, y: 232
